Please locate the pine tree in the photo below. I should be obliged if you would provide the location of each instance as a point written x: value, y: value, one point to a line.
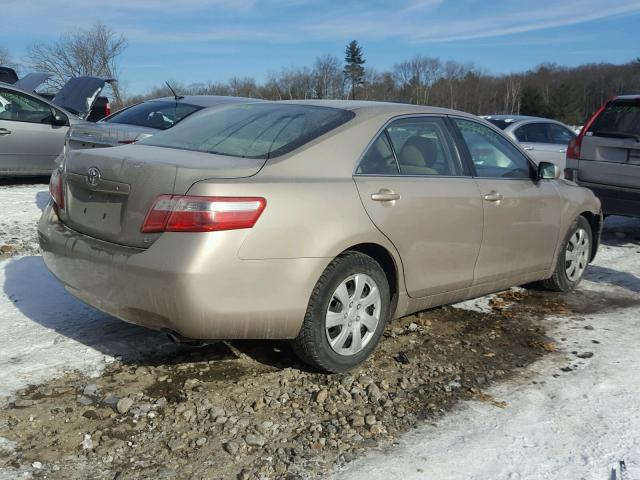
x: 353, y: 69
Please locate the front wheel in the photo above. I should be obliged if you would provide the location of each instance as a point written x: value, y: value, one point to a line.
x: 573, y: 258
x: 346, y: 315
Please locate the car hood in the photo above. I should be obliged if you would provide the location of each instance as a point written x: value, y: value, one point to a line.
x: 79, y: 94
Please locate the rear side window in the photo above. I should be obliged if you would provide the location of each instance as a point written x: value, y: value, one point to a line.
x: 621, y: 118
x: 259, y: 130
x: 412, y: 146
x: 379, y: 159
x: 160, y: 115
x: 560, y: 135
x: 532, y: 132
x: 493, y: 155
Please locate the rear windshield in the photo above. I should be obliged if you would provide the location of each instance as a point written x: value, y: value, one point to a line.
x: 156, y: 114
x: 621, y: 118
x: 258, y: 130
x: 501, y: 124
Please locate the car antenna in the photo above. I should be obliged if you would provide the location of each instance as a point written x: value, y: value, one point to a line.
x: 175, y: 95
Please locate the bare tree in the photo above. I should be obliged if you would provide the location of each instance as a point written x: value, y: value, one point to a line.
x: 328, y: 77
x: 418, y: 76
x: 5, y: 57
x: 93, y: 51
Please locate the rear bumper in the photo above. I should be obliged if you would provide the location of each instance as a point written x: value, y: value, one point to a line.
x: 191, y: 283
x: 616, y: 200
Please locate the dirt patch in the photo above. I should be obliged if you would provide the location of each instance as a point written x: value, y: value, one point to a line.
x: 249, y: 410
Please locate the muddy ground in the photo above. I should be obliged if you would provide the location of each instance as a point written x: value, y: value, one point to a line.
x: 250, y: 410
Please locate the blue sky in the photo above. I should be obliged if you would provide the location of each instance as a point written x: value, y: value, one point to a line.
x: 212, y: 40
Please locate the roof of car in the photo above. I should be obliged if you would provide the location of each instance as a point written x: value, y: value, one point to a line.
x: 630, y: 96
x: 515, y: 118
x: 206, y: 100
x: 375, y: 107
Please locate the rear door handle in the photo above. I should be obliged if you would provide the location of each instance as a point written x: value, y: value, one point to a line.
x: 4, y: 131
x: 493, y: 196
x: 563, y: 150
x: 385, y: 195
x: 528, y: 147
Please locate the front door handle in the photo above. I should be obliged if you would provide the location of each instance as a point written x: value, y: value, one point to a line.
x: 528, y: 147
x: 4, y: 131
x: 493, y: 196
x: 385, y: 195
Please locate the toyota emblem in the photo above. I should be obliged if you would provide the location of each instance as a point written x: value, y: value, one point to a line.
x: 93, y: 176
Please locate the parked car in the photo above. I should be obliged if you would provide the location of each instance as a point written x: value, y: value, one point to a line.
x: 141, y: 120
x: 544, y: 139
x: 605, y: 157
x: 316, y: 221
x: 33, y: 130
x: 31, y: 81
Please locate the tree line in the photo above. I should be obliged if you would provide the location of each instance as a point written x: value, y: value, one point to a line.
x: 569, y: 94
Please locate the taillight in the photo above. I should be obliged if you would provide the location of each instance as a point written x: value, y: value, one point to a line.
x: 107, y: 109
x: 183, y: 213
x: 56, y: 189
x: 573, y: 149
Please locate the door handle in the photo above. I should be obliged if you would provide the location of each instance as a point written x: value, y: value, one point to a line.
x: 528, y: 147
x: 563, y: 150
x: 385, y: 195
x: 4, y: 131
x: 493, y: 196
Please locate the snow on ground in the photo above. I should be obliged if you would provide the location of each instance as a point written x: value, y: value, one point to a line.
x: 45, y: 331
x: 21, y: 208
x: 567, y: 425
x: 556, y: 425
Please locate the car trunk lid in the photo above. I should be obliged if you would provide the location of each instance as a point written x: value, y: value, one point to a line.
x: 31, y: 81
x: 610, y: 150
x: 108, y: 192
x: 102, y: 134
x: 79, y: 94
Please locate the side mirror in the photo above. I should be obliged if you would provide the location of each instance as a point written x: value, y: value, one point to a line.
x: 548, y: 171
x: 59, y: 120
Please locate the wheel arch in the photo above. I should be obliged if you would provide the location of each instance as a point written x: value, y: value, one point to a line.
x: 388, y: 263
x: 595, y: 222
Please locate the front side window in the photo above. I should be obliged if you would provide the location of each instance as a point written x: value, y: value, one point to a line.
x: 19, y: 107
x: 154, y: 114
x: 492, y: 155
x: 560, y: 135
x: 257, y: 130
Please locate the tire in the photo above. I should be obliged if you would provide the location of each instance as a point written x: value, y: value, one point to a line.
x: 348, y: 318
x: 564, y: 278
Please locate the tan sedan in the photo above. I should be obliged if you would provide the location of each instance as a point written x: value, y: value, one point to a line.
x: 312, y: 221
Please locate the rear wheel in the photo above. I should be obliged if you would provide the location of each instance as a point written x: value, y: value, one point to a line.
x: 346, y: 315
x: 573, y: 258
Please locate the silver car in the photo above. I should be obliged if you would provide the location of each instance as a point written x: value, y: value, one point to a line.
x: 33, y: 129
x: 544, y: 139
x: 605, y: 157
x: 141, y: 120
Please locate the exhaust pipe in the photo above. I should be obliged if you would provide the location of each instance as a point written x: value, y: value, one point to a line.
x: 175, y: 337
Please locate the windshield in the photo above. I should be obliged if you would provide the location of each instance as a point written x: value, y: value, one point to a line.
x: 155, y: 114
x: 621, y: 118
x: 258, y: 130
